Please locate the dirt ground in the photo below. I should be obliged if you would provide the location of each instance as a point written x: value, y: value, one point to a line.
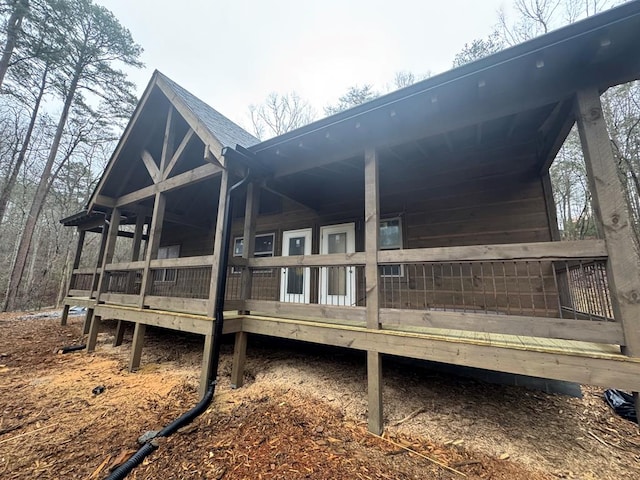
x: 301, y: 414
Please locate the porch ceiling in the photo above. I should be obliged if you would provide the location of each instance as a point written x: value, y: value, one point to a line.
x: 506, y: 144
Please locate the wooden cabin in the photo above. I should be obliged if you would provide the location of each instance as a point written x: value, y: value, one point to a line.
x: 420, y: 224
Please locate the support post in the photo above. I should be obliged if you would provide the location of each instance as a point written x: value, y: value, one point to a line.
x: 207, y: 361
x: 374, y: 392
x: 372, y: 232
x: 93, y: 333
x: 112, y: 238
x: 136, y: 348
x: 610, y: 208
x: 239, y: 358
x: 87, y: 321
x: 155, y: 232
x: 248, y: 238
x: 117, y: 341
x: 207, y: 351
x: 76, y: 264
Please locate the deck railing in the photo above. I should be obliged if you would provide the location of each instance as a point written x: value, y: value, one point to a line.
x: 511, y: 289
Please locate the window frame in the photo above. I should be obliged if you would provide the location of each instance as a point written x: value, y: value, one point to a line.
x: 238, y: 270
x: 166, y: 272
x: 401, y: 272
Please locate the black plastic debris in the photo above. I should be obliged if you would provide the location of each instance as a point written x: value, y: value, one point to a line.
x: 622, y: 403
x: 98, y: 390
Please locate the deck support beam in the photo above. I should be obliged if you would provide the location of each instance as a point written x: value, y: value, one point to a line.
x: 93, y: 332
x: 239, y: 359
x: 136, y: 349
x: 86, y: 324
x: 372, y: 232
x: 610, y: 208
x: 374, y: 392
x: 117, y: 341
x: 207, y: 352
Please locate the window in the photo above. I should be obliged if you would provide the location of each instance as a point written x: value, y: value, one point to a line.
x: 167, y: 274
x: 391, y: 239
x: 263, y: 247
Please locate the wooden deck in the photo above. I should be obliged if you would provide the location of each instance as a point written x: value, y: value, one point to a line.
x: 569, y: 360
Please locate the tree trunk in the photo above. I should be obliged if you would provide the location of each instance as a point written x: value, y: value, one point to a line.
x: 17, y: 269
x: 14, y: 25
x: 11, y: 181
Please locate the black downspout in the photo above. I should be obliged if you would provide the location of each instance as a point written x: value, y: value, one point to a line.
x: 136, y: 459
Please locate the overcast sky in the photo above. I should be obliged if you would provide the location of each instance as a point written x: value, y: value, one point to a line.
x: 233, y: 53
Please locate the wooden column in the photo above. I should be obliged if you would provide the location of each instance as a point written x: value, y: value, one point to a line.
x: 248, y: 236
x: 109, y: 250
x: 137, y: 237
x: 207, y: 356
x: 76, y: 264
x: 135, y: 256
x: 136, y: 348
x: 103, y: 245
x: 155, y: 232
x: 372, y: 232
x: 554, y: 236
x: 610, y: 208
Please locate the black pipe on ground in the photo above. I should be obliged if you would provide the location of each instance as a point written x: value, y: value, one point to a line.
x: 136, y: 459
x: 71, y: 348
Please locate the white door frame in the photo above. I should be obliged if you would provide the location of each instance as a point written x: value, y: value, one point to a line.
x: 349, y: 298
x: 305, y: 296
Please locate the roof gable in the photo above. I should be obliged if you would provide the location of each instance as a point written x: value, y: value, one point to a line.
x: 136, y: 159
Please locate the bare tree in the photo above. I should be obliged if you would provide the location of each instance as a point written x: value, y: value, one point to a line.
x: 280, y: 113
x: 18, y: 10
x: 95, y: 42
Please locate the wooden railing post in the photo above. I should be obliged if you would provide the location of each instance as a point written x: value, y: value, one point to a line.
x: 610, y: 208
x: 155, y: 232
x: 372, y: 232
x: 76, y: 264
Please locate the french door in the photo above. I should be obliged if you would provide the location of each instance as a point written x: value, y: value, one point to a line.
x: 338, y: 284
x: 295, y: 284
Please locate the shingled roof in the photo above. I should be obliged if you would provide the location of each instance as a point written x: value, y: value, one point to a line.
x: 227, y: 132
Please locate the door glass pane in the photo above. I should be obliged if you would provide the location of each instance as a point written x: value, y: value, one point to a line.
x: 295, y: 279
x: 295, y: 276
x: 296, y: 246
x: 337, y: 242
x: 337, y: 276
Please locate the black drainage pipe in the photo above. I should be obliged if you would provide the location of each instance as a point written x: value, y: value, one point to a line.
x: 71, y: 348
x: 136, y: 459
